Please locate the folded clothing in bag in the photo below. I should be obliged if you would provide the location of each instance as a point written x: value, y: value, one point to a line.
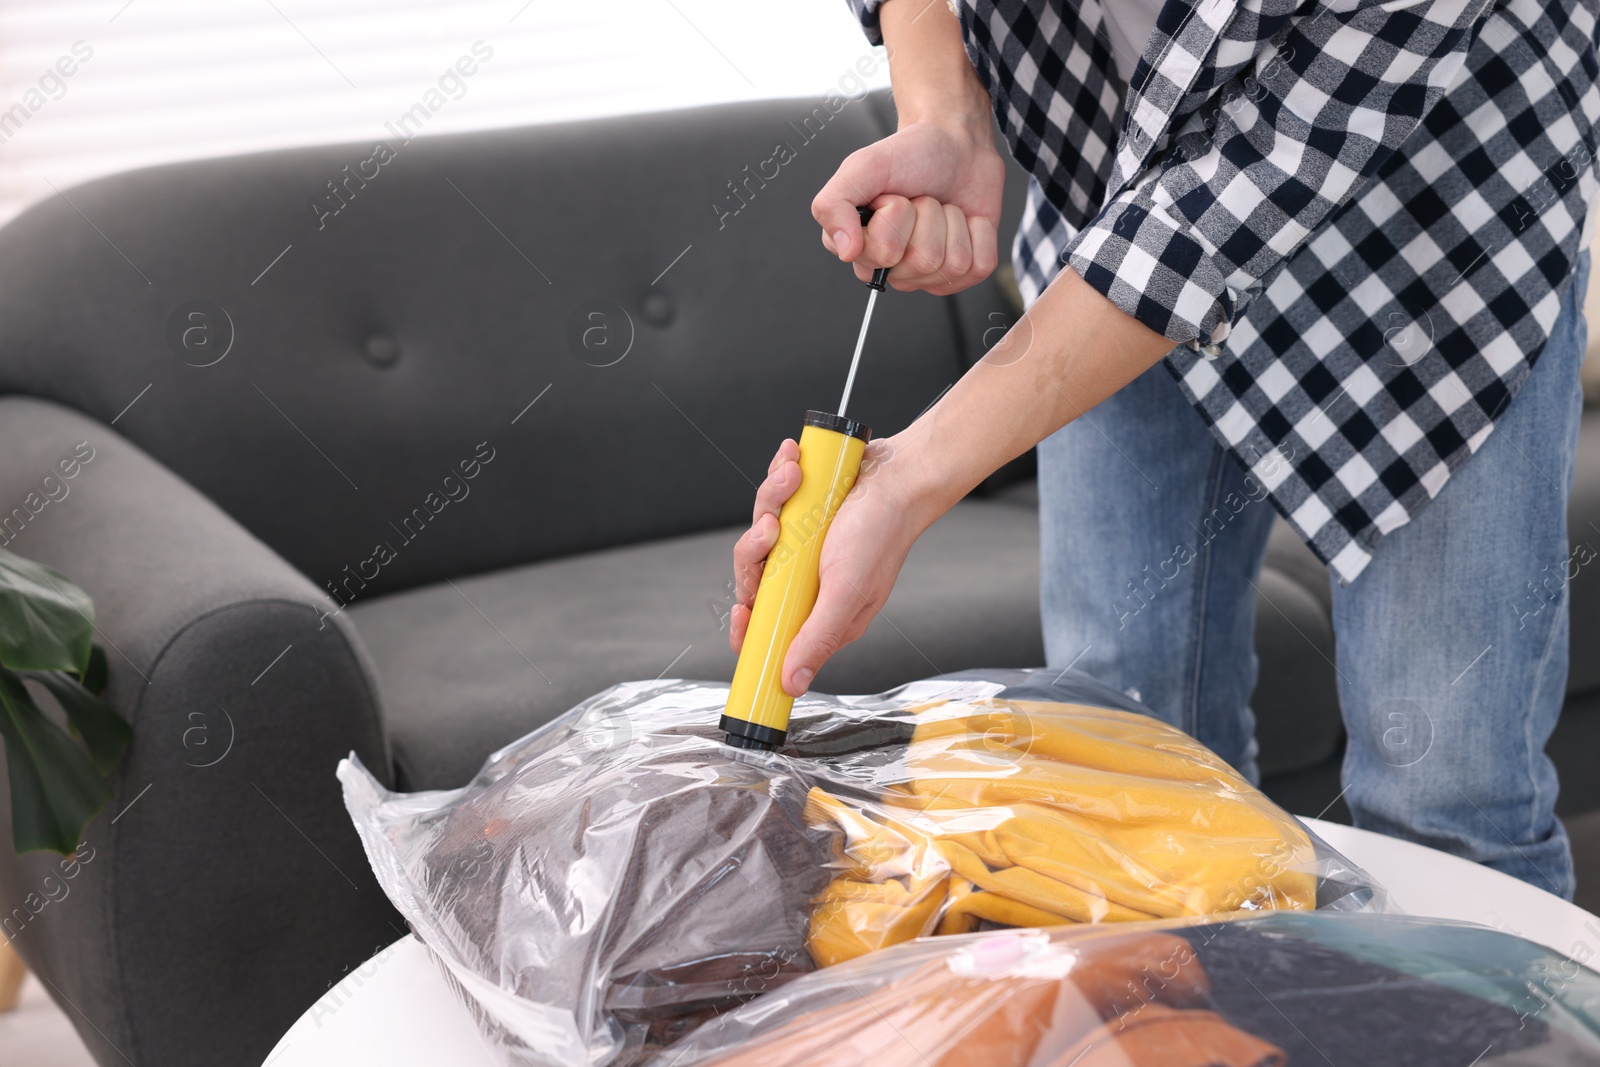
x: 1261, y: 991
x: 618, y: 877
x: 1034, y: 814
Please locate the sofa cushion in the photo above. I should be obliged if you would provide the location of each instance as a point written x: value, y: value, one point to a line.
x: 465, y: 667
x: 471, y: 664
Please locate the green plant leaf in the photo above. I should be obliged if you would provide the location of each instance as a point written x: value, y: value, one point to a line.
x: 55, y: 789
x: 94, y: 675
x: 105, y: 733
x: 46, y: 622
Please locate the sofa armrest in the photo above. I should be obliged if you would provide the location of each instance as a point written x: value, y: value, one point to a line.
x: 224, y: 886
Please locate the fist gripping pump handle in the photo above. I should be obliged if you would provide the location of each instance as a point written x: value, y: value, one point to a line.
x: 758, y: 709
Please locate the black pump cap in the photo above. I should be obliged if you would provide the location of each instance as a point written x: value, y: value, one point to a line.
x: 880, y: 276
x: 839, y: 424
x: 741, y: 734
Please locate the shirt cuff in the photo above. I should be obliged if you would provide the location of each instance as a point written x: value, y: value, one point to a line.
x: 866, y: 11
x: 1156, y: 269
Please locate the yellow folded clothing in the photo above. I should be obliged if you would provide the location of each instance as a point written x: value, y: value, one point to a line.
x: 1038, y: 814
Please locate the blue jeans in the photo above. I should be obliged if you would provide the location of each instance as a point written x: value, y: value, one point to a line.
x: 1452, y: 645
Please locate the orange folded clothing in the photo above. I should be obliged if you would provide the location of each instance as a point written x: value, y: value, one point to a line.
x: 1159, y: 1036
x: 1128, y: 1001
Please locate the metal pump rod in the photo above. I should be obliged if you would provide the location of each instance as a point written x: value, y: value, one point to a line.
x: 879, y: 277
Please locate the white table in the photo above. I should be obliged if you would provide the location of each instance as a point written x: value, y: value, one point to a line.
x: 397, y: 1011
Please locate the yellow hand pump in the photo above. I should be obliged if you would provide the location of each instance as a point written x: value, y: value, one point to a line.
x: 757, y: 715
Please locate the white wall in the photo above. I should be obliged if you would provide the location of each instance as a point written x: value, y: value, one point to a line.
x: 178, y: 79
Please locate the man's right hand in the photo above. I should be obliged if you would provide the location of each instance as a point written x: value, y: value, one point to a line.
x: 935, y: 185
x: 935, y: 191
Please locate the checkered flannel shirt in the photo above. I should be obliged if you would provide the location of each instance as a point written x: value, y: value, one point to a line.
x: 1355, y: 218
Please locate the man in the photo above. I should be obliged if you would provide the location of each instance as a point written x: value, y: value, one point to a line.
x: 1354, y: 231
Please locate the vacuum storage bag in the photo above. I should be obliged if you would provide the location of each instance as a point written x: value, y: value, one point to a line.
x: 620, y: 876
x: 1261, y: 991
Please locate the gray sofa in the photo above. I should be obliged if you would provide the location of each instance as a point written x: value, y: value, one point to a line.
x: 410, y: 404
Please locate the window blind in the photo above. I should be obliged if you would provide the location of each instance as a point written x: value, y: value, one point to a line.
x: 154, y: 81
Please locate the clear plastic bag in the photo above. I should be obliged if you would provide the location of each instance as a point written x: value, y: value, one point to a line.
x: 1259, y: 991
x: 618, y: 877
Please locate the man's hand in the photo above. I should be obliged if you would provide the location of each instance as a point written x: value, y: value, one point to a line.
x: 935, y: 191
x: 935, y: 185
x: 866, y: 546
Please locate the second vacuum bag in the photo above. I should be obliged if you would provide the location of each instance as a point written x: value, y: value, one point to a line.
x: 1268, y: 990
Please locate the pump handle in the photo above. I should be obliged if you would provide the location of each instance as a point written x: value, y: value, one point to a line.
x: 881, y: 275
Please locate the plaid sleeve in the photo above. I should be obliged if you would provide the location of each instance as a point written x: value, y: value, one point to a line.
x: 1246, y: 179
x: 867, y: 12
